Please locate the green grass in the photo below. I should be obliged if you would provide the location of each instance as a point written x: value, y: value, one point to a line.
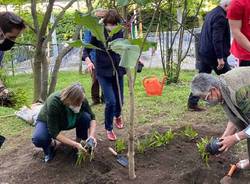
x: 166, y: 109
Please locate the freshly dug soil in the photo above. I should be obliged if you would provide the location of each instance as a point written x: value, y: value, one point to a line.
x: 176, y: 163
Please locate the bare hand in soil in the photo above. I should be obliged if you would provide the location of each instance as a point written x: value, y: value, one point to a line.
x: 80, y: 147
x: 227, y: 142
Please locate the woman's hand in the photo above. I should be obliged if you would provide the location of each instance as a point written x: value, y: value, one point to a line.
x: 80, y: 147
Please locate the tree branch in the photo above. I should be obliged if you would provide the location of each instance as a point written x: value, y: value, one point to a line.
x: 34, y: 15
x: 46, y: 19
x: 58, y: 18
x: 58, y: 62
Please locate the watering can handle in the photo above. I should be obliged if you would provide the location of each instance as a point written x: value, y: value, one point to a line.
x: 145, y: 78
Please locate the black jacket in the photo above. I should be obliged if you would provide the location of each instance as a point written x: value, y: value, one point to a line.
x: 215, y: 35
x: 103, y: 63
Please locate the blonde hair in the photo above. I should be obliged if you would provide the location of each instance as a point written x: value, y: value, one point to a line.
x: 73, y: 95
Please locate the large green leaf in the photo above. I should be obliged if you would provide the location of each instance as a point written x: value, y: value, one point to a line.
x: 79, y: 43
x: 122, y: 2
x: 92, y: 24
x: 146, y: 46
x: 129, y: 53
x: 142, y: 2
x: 115, y: 30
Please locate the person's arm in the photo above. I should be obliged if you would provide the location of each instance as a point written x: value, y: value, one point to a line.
x: 65, y: 140
x: 53, y: 126
x: 228, y: 141
x: 218, y: 35
x: 241, y: 39
x: 86, y: 52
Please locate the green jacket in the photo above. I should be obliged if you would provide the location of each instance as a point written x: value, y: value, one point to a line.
x: 57, y: 115
x: 235, y: 87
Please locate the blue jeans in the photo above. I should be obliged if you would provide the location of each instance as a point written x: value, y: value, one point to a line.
x: 41, y: 137
x: 111, y: 97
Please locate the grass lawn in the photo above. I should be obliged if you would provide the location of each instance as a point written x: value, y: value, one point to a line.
x: 170, y: 108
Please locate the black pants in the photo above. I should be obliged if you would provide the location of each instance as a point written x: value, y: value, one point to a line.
x: 204, y: 67
x: 95, y: 89
x: 244, y: 63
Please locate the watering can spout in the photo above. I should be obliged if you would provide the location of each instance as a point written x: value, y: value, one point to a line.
x: 163, y: 82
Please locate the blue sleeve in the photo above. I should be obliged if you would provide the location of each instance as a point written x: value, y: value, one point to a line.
x: 87, y: 36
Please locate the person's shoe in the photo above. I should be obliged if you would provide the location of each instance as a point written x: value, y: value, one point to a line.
x: 118, y: 122
x: 51, y: 153
x: 195, y: 108
x: 111, y: 135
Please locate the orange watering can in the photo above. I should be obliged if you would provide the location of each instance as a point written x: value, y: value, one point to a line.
x: 153, y: 86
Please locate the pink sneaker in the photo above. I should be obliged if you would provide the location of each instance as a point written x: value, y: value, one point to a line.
x: 118, y: 122
x: 111, y: 135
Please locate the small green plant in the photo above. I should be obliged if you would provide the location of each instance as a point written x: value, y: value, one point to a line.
x: 189, y: 132
x: 81, y: 157
x: 201, y: 145
x: 18, y: 97
x: 161, y: 139
x: 120, y: 145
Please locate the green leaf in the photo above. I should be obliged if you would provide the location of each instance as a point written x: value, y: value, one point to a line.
x: 122, y: 2
x: 115, y: 30
x: 92, y: 24
x: 146, y: 46
x: 129, y: 53
x: 79, y: 43
x: 142, y: 2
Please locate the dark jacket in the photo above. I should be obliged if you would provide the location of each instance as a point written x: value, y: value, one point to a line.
x: 55, y: 114
x: 103, y: 64
x: 215, y: 35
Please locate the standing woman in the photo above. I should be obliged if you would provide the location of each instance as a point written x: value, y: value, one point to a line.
x: 64, y: 110
x: 107, y: 72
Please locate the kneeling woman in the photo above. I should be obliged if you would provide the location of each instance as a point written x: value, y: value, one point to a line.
x: 64, y: 110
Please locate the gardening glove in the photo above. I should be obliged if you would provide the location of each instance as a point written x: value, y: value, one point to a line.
x: 91, y: 143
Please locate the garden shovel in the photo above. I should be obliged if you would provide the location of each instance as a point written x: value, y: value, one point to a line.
x: 119, y: 158
x: 228, y: 178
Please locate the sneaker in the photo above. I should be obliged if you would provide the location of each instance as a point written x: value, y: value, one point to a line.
x: 119, y: 123
x: 111, y: 135
x: 51, y: 153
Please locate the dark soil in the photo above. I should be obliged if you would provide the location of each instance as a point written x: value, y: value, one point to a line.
x: 176, y: 163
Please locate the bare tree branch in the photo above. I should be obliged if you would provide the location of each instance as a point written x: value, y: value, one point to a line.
x: 34, y: 15
x: 46, y: 20
x: 58, y: 18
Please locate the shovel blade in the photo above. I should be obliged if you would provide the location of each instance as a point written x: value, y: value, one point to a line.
x: 122, y: 160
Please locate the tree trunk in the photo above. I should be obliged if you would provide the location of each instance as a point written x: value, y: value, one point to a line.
x: 45, y: 76
x: 37, y: 74
x: 131, y: 129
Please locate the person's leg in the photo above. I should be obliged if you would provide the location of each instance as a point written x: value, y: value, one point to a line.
x: 119, y: 102
x: 110, y: 102
x: 82, y: 126
x: 41, y: 137
x: 95, y: 91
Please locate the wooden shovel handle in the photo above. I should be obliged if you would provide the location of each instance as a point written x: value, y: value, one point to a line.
x: 112, y: 151
x: 232, y: 170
